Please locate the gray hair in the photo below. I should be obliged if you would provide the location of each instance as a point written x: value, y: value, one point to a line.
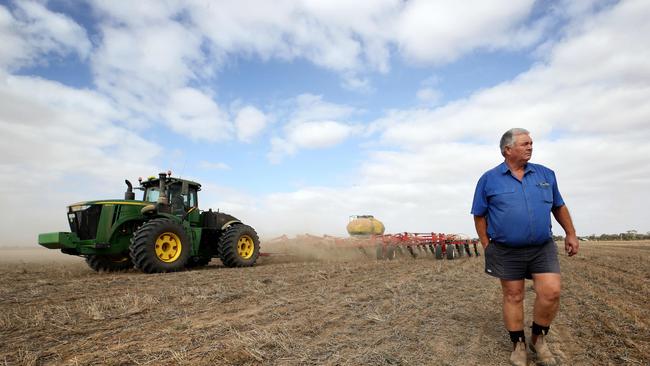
x: 508, y: 138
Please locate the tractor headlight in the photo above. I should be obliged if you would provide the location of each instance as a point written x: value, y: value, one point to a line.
x: 78, y: 208
x: 71, y: 217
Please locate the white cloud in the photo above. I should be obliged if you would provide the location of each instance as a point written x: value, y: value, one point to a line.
x: 313, y: 124
x: 337, y: 35
x: 355, y: 83
x: 141, y: 66
x: 192, y: 113
x: 138, y: 12
x: 351, y: 38
x: 429, y: 31
x: 33, y: 31
x: 309, y: 107
x: 318, y: 135
x: 249, y: 123
x: 429, y: 96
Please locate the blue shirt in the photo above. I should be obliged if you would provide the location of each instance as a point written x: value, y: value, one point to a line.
x: 518, y: 212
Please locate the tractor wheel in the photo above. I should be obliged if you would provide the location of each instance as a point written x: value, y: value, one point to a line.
x: 199, y: 261
x: 109, y: 263
x: 239, y: 246
x: 438, y: 251
x: 450, y: 251
x: 160, y: 245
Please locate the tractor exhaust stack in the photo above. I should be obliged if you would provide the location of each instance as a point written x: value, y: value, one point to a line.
x: 129, y: 195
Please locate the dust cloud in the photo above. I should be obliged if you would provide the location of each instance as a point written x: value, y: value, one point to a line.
x: 308, y: 247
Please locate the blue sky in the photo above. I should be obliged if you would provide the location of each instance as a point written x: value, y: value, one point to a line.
x: 296, y: 114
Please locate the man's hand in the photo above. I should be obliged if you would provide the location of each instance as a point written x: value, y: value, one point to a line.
x: 571, y: 240
x: 481, y: 229
x: 571, y: 245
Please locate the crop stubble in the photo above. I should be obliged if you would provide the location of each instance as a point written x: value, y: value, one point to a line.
x: 307, y: 309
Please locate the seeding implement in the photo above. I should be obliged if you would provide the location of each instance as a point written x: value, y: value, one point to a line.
x: 439, y: 245
x: 366, y: 231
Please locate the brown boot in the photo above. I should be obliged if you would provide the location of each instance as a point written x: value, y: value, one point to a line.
x: 542, y: 352
x: 519, y: 357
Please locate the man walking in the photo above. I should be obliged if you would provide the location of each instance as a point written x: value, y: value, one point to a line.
x: 512, y: 210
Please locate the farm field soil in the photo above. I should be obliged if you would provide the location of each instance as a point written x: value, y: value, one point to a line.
x: 321, y: 307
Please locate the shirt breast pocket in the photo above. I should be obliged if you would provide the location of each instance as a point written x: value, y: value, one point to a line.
x: 546, y: 192
x: 501, y: 195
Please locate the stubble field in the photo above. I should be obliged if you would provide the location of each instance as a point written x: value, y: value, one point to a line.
x: 319, y: 307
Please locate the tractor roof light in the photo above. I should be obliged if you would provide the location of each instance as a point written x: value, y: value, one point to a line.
x: 169, y: 173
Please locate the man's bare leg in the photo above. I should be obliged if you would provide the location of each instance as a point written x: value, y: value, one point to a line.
x: 513, y: 304
x: 547, y: 301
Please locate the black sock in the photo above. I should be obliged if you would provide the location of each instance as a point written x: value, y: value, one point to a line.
x: 538, y: 329
x: 517, y: 336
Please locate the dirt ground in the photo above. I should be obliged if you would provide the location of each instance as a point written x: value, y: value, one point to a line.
x: 320, y: 307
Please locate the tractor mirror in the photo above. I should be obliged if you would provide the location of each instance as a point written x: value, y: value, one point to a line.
x: 184, y: 189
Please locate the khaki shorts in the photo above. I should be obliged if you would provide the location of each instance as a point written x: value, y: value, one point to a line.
x: 517, y: 263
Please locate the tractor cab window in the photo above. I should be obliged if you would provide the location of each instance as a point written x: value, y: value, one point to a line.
x: 192, y: 197
x: 151, y: 194
x: 177, y: 201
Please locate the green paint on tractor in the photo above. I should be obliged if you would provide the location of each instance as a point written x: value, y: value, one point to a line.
x: 163, y: 232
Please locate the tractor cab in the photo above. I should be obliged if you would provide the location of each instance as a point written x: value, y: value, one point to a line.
x: 179, y: 194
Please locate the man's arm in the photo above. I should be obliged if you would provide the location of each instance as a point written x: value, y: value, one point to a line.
x: 481, y: 229
x: 571, y: 243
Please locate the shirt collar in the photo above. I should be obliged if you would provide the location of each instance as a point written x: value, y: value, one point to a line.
x: 503, y: 168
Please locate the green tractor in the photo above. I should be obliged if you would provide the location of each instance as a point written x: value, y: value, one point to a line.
x: 164, y: 232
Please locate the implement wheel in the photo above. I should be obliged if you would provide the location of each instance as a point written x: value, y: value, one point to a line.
x: 460, y: 249
x: 466, y: 249
x: 380, y: 251
x: 109, y: 263
x: 410, y: 249
x: 160, y: 245
x: 391, y: 253
x: 438, y: 251
x: 399, y: 250
x: 432, y: 249
x: 451, y: 251
x: 239, y: 246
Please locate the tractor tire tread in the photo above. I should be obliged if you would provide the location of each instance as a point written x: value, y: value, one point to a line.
x: 104, y: 263
x: 141, y: 248
x: 228, y: 246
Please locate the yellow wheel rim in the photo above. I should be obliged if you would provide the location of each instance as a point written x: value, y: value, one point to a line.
x: 168, y: 247
x: 245, y: 246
